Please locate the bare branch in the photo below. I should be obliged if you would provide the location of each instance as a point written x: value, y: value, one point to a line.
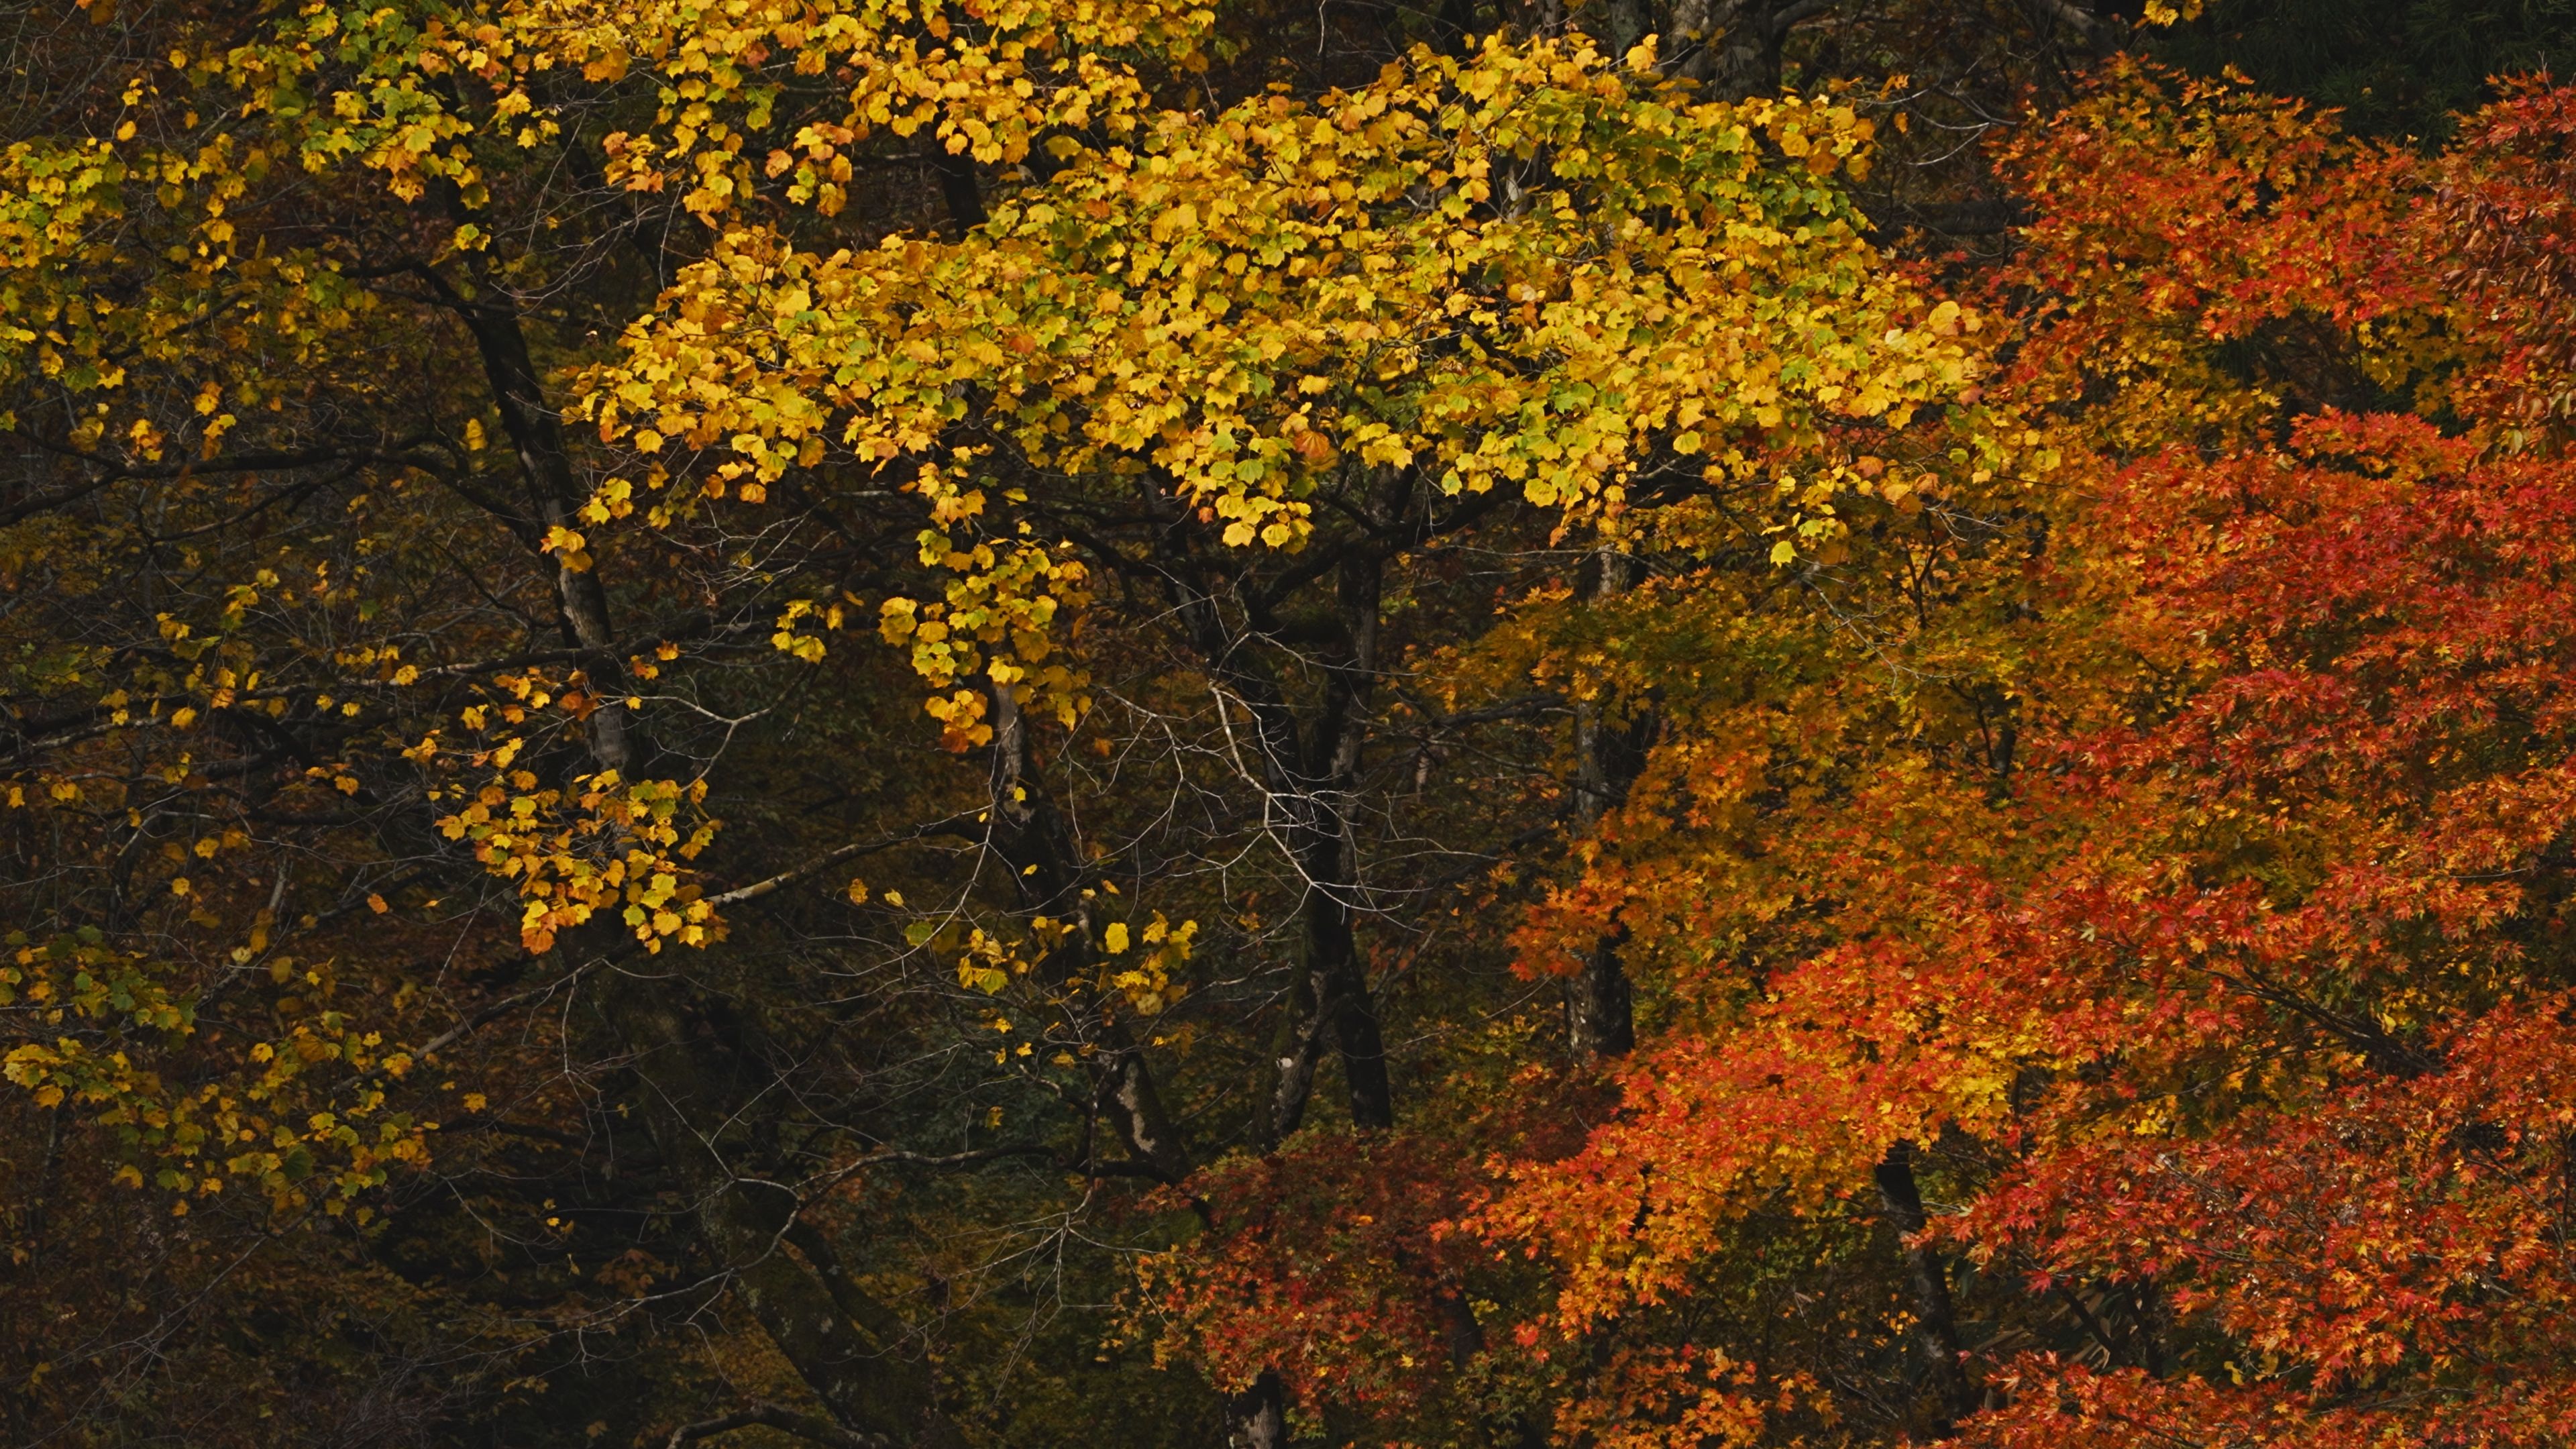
x: 807, y: 1427
x: 830, y: 858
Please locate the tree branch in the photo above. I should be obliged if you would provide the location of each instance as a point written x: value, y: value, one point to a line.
x: 787, y: 1421
x: 830, y: 858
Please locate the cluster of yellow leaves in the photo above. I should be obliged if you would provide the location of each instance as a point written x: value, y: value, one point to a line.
x: 606, y: 845
x: 117, y: 261
x: 78, y: 975
x: 1525, y: 268
x: 52, y: 195
x: 985, y: 78
x: 988, y: 962
x: 443, y: 95
x: 995, y: 622
x: 1140, y: 964
x: 1146, y: 978
x: 206, y: 1135
x: 51, y: 198
x: 412, y: 94
x: 791, y: 637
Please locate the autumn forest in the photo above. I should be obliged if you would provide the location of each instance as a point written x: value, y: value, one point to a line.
x: 1228, y: 724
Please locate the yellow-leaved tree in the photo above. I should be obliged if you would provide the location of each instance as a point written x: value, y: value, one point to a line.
x: 1186, y: 442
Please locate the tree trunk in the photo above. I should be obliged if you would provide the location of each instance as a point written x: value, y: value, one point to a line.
x: 1029, y: 834
x: 682, y: 1100
x: 1311, y: 774
x: 1624, y: 23
x: 536, y: 432
x: 1731, y: 47
x: 1936, y: 1321
x: 1610, y: 754
x: 1600, y: 1010
x: 1319, y: 779
x: 958, y: 186
x: 859, y: 1378
x: 1257, y: 1418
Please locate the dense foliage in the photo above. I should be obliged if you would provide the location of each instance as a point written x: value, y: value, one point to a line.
x: 1748, y: 722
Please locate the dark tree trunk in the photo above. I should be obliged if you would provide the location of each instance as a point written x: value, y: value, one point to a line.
x: 959, y: 187
x: 1033, y: 842
x: 860, y: 1377
x: 1311, y: 770
x: 536, y: 433
x: 1732, y: 47
x: 1257, y: 1418
x: 684, y: 1097
x: 1936, y: 1322
x: 1610, y: 753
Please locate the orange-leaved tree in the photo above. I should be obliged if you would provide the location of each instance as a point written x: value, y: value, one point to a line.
x: 2159, y: 954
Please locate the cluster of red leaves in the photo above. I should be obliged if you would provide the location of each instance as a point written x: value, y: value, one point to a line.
x: 2366, y: 799
x: 2133, y: 1407
x: 1332, y: 1263
x: 2506, y: 211
x: 1668, y: 1398
x: 2402, y: 1226
x: 2171, y: 217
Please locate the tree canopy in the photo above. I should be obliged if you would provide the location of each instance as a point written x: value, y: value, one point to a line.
x: 1740, y: 723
